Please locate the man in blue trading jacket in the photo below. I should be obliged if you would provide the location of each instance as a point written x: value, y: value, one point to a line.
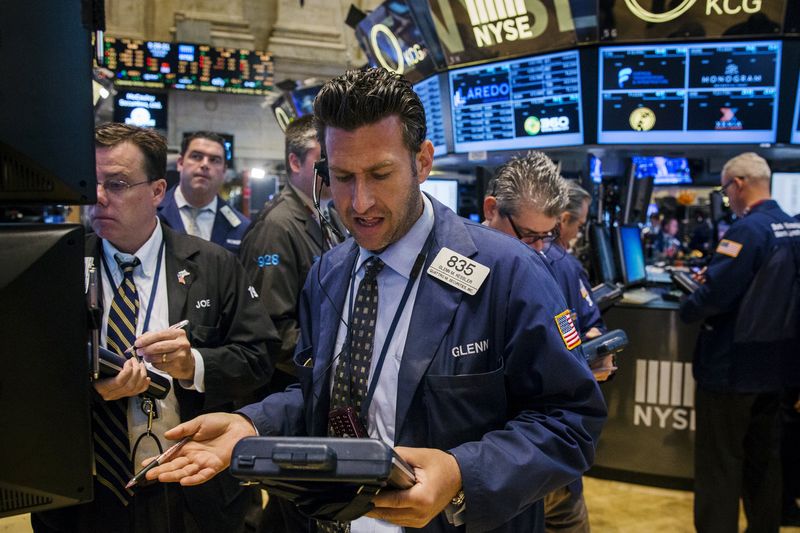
x: 528, y: 199
x: 194, y: 206
x: 746, y: 353
x: 152, y: 277
x: 478, y: 389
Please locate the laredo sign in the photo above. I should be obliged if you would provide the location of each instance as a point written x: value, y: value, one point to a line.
x: 717, y: 7
x: 472, y: 30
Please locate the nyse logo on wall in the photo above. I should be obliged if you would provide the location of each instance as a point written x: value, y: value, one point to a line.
x: 664, y: 395
x: 475, y: 30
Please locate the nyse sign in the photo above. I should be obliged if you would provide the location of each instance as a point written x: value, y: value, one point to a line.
x: 664, y: 395
x: 471, y: 30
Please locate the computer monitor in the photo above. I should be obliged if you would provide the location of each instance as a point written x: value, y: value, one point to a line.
x: 635, y: 196
x: 786, y: 191
x: 46, y: 109
x: 444, y: 190
x: 603, y: 266
x: 631, y: 255
x: 45, y: 449
x: 664, y: 170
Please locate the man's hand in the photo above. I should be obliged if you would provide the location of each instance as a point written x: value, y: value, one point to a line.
x: 603, y: 367
x: 438, y: 481
x: 169, y: 351
x: 208, y: 453
x: 700, y: 275
x: 130, y: 381
x: 592, y: 333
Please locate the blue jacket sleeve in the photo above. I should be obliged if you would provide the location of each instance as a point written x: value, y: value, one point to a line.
x: 727, y: 277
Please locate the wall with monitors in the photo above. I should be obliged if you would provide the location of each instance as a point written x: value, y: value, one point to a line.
x: 194, y: 67
x: 689, y: 93
x: 429, y: 92
x: 533, y: 102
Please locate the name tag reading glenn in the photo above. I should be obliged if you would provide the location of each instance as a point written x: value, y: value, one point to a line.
x: 458, y: 271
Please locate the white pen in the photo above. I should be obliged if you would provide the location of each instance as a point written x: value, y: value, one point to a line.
x: 177, y: 325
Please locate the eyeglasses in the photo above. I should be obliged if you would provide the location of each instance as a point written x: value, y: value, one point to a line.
x: 726, y: 185
x: 118, y: 186
x: 534, y: 237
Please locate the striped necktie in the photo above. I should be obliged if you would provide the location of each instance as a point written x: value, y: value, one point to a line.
x: 193, y: 228
x: 113, y: 461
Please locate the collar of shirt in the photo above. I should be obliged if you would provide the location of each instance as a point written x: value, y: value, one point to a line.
x: 401, y: 255
x: 180, y: 201
x: 147, y: 254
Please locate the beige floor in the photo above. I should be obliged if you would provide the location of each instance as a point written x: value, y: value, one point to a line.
x: 613, y: 508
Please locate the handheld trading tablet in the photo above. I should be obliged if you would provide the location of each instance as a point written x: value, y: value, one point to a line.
x: 684, y: 281
x: 327, y: 478
x: 111, y: 364
x: 609, y: 343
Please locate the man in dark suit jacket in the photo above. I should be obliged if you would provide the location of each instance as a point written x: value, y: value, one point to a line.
x: 214, y: 363
x: 194, y: 206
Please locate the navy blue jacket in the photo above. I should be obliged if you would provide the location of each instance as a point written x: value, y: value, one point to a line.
x: 574, y: 283
x: 720, y: 364
x: 227, y: 235
x: 521, y: 416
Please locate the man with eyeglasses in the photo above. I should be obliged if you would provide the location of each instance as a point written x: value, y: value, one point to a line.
x: 153, y: 277
x: 194, y: 206
x: 528, y: 199
x: 746, y: 353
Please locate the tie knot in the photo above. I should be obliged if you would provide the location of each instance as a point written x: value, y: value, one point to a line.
x: 127, y: 263
x: 372, y: 268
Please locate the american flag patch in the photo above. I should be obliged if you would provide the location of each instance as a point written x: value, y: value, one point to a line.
x: 729, y: 248
x: 566, y: 327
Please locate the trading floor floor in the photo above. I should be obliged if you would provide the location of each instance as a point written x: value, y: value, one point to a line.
x: 613, y: 508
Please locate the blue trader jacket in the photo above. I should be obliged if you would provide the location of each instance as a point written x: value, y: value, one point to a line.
x: 225, y: 233
x: 520, y: 412
x: 726, y: 304
x: 574, y: 283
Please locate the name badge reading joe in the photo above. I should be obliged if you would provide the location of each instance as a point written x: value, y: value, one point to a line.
x: 458, y: 271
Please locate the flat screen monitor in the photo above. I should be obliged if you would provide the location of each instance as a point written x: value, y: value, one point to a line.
x: 786, y: 191
x: 430, y: 94
x: 533, y: 102
x: 604, y: 267
x: 631, y: 255
x: 145, y: 109
x: 689, y: 93
x: 664, y: 170
x: 303, y: 99
x: 45, y: 449
x: 228, y: 138
x: 596, y: 169
x: 444, y: 190
x: 46, y: 109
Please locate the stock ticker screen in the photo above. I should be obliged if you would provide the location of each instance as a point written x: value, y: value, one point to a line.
x: 523, y: 103
x: 703, y: 93
x: 158, y: 65
x: 430, y: 95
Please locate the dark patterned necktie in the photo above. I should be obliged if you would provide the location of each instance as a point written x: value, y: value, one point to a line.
x: 352, y: 391
x: 362, y: 334
x: 111, y: 444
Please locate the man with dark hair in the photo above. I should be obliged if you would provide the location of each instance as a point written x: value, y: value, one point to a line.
x: 283, y: 243
x: 153, y: 277
x: 480, y: 387
x: 746, y: 354
x: 194, y: 206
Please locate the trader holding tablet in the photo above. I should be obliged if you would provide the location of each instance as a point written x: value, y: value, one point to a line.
x: 438, y: 336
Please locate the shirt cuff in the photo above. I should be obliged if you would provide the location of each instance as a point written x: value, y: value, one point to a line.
x: 199, y: 383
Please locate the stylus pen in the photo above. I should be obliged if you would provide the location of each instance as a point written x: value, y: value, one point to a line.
x: 163, y: 458
x: 176, y: 325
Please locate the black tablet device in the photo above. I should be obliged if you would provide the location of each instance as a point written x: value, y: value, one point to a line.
x: 327, y: 478
x: 608, y: 343
x: 684, y: 281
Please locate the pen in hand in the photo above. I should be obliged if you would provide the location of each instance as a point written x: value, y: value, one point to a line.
x: 177, y: 325
x: 163, y: 458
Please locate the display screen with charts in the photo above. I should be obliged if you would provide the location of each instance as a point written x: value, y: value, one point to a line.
x: 532, y: 102
x: 430, y: 95
x: 689, y: 93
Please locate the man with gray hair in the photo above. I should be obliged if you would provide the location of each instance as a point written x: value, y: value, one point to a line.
x: 746, y: 354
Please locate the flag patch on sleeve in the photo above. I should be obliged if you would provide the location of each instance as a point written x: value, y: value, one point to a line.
x: 729, y: 248
x: 566, y: 327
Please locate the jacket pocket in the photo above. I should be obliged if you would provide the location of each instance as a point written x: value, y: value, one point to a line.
x: 462, y: 408
x: 205, y: 336
x: 304, y: 367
